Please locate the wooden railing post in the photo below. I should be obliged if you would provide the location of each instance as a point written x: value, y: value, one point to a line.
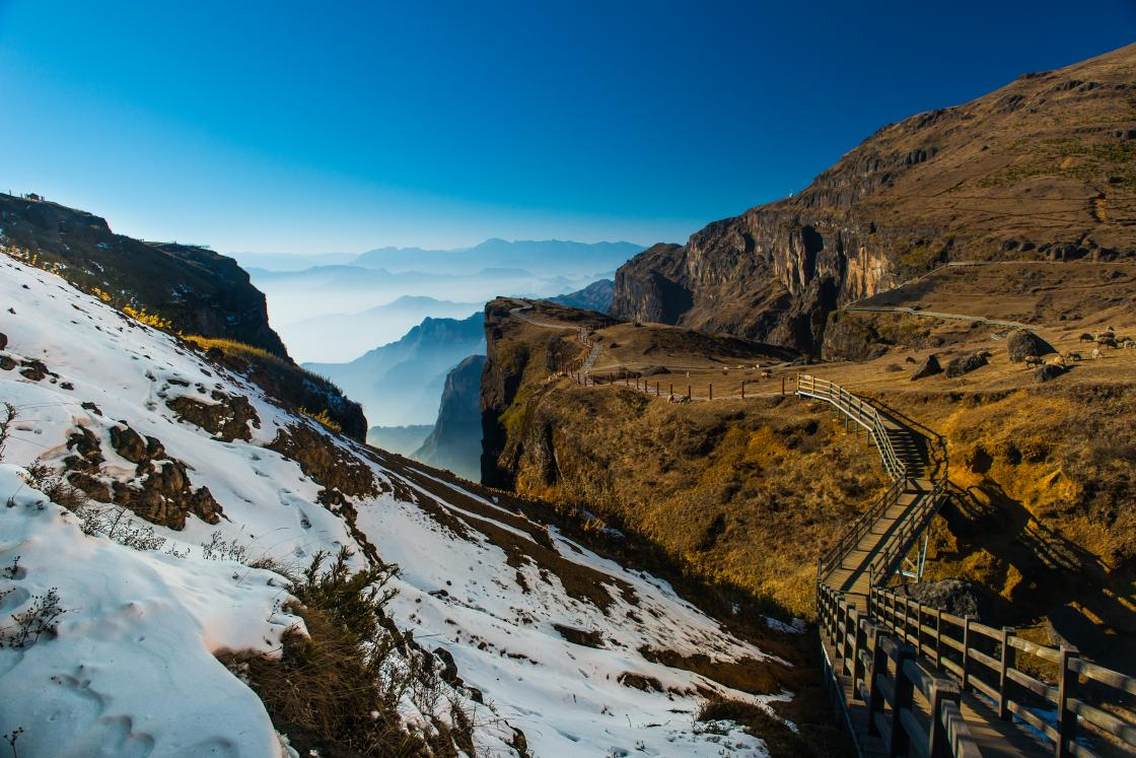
x: 938, y: 736
x: 1066, y: 719
x: 939, y: 638
x: 858, y: 646
x: 879, y: 668
x: 904, y: 695
x: 965, y: 652
x: 1006, y: 661
x: 711, y: 392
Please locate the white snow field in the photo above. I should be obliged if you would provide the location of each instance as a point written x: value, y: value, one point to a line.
x: 131, y: 670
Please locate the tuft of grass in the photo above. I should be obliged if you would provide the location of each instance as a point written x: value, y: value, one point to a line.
x: 335, y: 690
x: 143, y: 316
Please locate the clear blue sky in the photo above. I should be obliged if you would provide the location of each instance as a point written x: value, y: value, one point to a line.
x: 309, y: 127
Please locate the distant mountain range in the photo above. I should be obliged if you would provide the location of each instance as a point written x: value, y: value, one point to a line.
x: 595, y: 297
x: 548, y: 256
x: 345, y: 336
x: 400, y: 383
x: 299, y: 296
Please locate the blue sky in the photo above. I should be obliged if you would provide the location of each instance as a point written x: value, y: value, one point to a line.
x: 315, y: 127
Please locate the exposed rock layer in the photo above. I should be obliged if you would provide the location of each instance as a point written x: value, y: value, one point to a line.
x: 1042, y: 168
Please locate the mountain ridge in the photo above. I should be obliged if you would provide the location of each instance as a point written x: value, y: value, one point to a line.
x: 1040, y: 168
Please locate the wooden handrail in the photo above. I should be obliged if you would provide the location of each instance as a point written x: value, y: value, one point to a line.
x: 959, y: 637
x: 896, y: 646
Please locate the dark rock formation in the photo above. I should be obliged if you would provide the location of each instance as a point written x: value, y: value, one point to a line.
x: 1023, y: 343
x: 964, y: 364
x: 1047, y: 372
x: 951, y: 595
x: 943, y: 185
x: 199, y: 291
x: 322, y: 459
x: 455, y: 442
x: 160, y: 492
x: 930, y: 367
x: 228, y: 418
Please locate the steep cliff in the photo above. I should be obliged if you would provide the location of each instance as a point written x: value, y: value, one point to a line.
x: 196, y: 289
x: 1044, y: 168
x: 192, y: 291
x: 455, y: 442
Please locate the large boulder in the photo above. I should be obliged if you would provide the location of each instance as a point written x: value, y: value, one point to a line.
x: 964, y: 364
x: 1047, y: 372
x: 1023, y: 343
x: 930, y: 367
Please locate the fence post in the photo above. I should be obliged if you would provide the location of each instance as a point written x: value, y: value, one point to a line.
x: 965, y: 651
x: 711, y: 392
x: 743, y: 389
x: 1066, y: 719
x: 672, y: 389
x: 904, y: 693
x: 782, y: 385
x: 938, y: 736
x: 688, y: 392
x: 861, y: 641
x: 879, y: 667
x: 939, y: 638
x: 656, y: 389
x: 1005, y: 662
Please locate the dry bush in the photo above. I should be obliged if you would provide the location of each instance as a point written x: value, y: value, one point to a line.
x: 336, y: 690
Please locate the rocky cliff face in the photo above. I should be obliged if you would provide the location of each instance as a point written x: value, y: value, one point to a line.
x: 1042, y: 168
x: 198, y: 290
x: 455, y: 442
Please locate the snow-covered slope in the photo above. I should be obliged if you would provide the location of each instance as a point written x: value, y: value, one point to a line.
x: 131, y: 669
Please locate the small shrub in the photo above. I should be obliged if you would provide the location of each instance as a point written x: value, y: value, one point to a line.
x: 220, y: 549
x: 43, y: 478
x: 323, y: 418
x: 40, y: 620
x: 142, y: 316
x: 6, y: 425
x: 119, y: 524
x: 336, y: 691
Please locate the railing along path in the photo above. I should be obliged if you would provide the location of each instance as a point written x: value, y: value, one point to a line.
x: 913, y: 680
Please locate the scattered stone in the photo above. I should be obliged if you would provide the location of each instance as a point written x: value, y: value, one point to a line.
x: 1047, y: 372
x: 3, y: 341
x: 6, y: 363
x: 954, y: 596
x: 33, y: 369
x: 964, y: 364
x: 930, y: 367
x: 227, y: 419
x: 1024, y: 343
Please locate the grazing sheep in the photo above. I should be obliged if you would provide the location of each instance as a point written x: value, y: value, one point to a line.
x: 1057, y: 360
x: 1074, y: 356
x: 1096, y: 353
x: 1086, y: 337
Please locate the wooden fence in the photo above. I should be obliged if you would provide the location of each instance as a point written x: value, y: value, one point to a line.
x: 910, y: 709
x: 1044, y: 687
x: 912, y: 664
x: 860, y: 411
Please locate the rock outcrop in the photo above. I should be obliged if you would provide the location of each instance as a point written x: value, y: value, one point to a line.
x: 455, y: 442
x: 194, y: 288
x: 966, y: 182
x: 1023, y: 343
